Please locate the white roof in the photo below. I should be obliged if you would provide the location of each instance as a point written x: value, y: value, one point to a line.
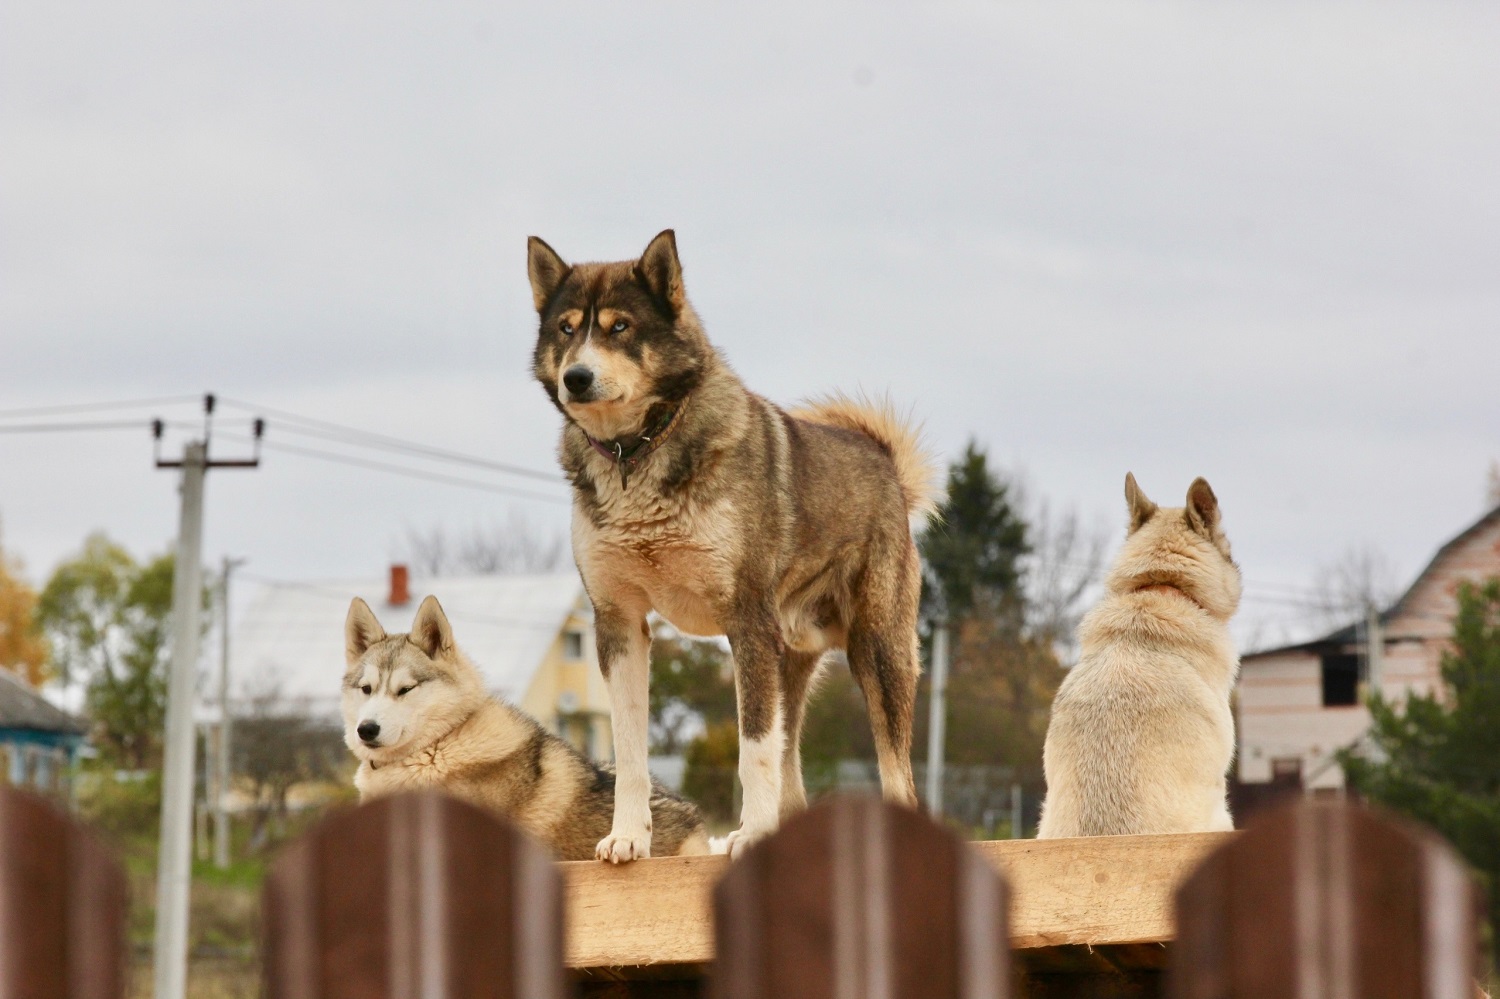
x: 290, y: 641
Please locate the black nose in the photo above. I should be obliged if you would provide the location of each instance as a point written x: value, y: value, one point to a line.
x: 577, y: 379
x: 368, y: 730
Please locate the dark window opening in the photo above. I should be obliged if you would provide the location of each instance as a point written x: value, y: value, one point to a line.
x: 1289, y: 768
x: 1340, y: 680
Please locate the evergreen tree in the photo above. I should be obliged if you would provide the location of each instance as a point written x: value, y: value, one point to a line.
x: 971, y: 551
x: 1437, y: 757
x: 1000, y: 681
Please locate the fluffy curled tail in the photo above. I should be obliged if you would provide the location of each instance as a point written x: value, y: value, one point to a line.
x: 916, y: 469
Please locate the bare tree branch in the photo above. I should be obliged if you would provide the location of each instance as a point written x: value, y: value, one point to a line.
x: 514, y: 547
x: 275, y: 750
x: 1065, y: 562
x: 1346, y: 587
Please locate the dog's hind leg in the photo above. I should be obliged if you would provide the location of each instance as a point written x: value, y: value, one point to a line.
x: 797, y: 672
x: 624, y: 643
x: 884, y: 661
x: 758, y: 649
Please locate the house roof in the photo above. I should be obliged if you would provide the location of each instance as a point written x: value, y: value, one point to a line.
x: 290, y: 642
x: 1349, y: 632
x: 23, y: 708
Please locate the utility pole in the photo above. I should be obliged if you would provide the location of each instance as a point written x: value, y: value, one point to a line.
x: 937, y: 718
x: 174, y: 857
x: 222, y: 756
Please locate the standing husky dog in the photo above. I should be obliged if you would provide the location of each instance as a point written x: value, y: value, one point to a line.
x: 1141, y: 732
x: 417, y: 716
x: 693, y: 497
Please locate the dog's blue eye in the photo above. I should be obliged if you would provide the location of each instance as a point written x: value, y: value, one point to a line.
x: 620, y: 326
x: 365, y: 689
x: 567, y: 329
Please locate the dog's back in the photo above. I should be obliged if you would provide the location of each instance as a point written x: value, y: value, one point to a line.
x: 1141, y: 734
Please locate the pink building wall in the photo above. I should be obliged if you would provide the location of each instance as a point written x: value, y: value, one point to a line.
x: 1280, y: 711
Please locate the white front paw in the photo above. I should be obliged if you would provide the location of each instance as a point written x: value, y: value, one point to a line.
x: 620, y: 848
x: 742, y: 839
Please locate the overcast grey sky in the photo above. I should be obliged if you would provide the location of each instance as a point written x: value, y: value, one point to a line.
x: 1257, y: 242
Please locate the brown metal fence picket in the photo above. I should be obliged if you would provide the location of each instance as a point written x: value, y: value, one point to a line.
x: 1327, y: 901
x: 414, y: 897
x: 859, y: 899
x: 426, y: 897
x: 62, y: 905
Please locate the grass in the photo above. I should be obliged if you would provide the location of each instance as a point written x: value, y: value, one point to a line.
x: 224, y: 905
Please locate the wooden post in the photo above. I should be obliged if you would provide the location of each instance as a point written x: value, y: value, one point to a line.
x: 62, y: 905
x: 859, y: 899
x: 414, y: 896
x: 1327, y: 900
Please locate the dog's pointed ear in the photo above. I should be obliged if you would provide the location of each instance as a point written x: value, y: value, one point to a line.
x: 1141, y: 508
x: 1202, y: 508
x: 361, y: 630
x: 546, y: 269
x: 431, y: 632
x: 661, y: 271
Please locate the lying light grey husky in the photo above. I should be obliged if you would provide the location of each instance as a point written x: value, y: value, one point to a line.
x: 417, y: 715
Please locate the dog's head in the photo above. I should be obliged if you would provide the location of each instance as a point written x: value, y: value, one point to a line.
x: 403, y: 692
x: 1184, y: 547
x: 615, y: 339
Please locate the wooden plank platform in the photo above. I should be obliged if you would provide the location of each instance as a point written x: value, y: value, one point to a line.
x: 653, y: 919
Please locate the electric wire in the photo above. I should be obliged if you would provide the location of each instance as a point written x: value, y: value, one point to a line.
x: 48, y: 428
x: 415, y: 473
x: 328, y: 430
x: 93, y: 407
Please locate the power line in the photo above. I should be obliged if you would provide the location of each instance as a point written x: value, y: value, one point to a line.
x: 90, y: 407
x: 420, y: 451
x: 1282, y: 592
x: 1285, y: 601
x: 415, y: 473
x: 1098, y: 572
x: 47, y: 428
x: 328, y: 430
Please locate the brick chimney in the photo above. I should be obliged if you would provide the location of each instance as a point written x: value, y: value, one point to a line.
x: 400, y: 595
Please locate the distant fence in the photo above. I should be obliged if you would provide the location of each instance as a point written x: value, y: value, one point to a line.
x: 424, y: 896
x: 999, y: 801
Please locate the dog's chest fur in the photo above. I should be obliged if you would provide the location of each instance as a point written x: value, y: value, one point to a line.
x: 677, y: 551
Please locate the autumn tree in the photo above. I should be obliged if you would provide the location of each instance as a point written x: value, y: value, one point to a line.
x: 108, y: 619
x: 692, y: 688
x: 23, y: 649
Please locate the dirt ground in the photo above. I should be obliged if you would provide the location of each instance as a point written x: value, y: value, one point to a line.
x: 208, y: 978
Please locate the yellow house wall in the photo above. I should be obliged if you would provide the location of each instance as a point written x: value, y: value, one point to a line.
x: 556, y: 675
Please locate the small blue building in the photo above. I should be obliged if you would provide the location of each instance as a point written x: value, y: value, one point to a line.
x: 38, y: 741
